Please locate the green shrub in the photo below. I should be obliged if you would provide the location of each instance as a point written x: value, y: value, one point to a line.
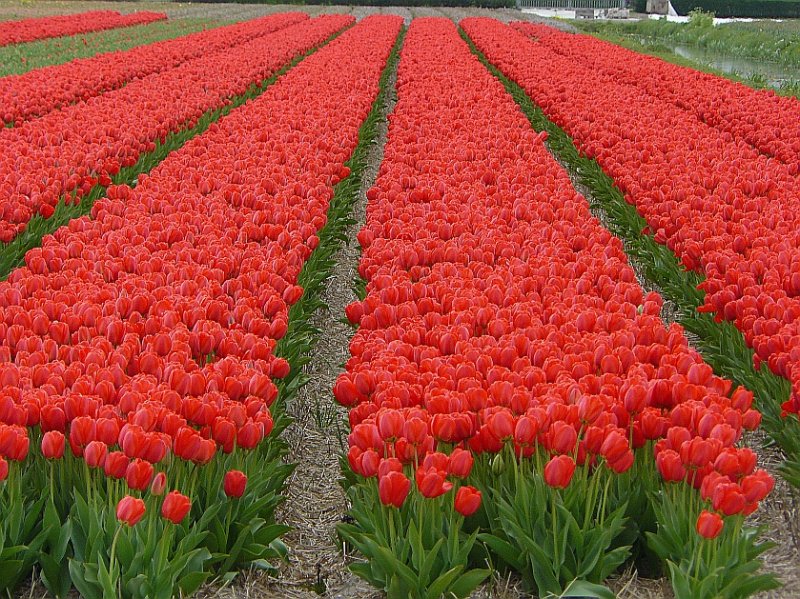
x: 741, y: 8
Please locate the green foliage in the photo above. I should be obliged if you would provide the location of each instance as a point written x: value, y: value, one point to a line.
x: 761, y: 9
x: 417, y: 552
x: 560, y: 539
x: 777, y: 42
x: 700, y: 19
x: 152, y: 560
x: 707, y: 568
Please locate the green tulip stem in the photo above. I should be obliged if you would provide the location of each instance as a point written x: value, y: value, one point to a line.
x: 113, y: 556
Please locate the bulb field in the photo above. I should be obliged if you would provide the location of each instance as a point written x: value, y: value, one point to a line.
x: 350, y: 303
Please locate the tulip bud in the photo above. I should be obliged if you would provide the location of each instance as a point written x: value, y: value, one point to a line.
x: 709, y: 524
x: 460, y: 463
x: 235, y: 483
x: 467, y: 501
x: 95, y: 454
x: 393, y: 489
x: 159, y: 484
x: 558, y: 471
x: 53, y: 443
x: 498, y: 465
x: 130, y: 510
x: 175, y: 507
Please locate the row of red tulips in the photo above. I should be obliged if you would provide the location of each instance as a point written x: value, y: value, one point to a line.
x: 724, y: 209
x: 64, y: 154
x: 504, y: 342
x: 28, y: 30
x: 767, y: 121
x: 37, y: 92
x: 137, y: 347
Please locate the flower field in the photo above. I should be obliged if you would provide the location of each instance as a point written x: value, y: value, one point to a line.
x: 734, y: 185
x: 43, y: 90
x: 514, y: 401
x: 26, y: 30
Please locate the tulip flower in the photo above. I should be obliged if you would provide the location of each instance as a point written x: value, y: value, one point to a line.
x: 159, y: 484
x: 393, y: 489
x: 95, y: 454
x: 116, y: 465
x: 53, y: 443
x: 90, y: 152
x: 741, y: 251
x: 467, y: 501
x: 460, y: 463
x: 139, y: 474
x: 728, y: 498
x: 234, y: 483
x: 28, y: 30
x: 175, y: 507
x: 130, y: 510
x: 432, y: 482
x: 558, y: 471
x: 670, y: 466
x: 709, y: 524
x: 388, y: 465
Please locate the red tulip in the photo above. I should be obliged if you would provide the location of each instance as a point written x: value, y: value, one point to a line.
x: 235, y: 483
x: 139, y: 474
x: 95, y: 454
x: 159, y: 484
x: 432, y: 482
x: 116, y: 464
x: 388, y: 465
x: 558, y: 471
x: 501, y: 425
x: 53, y: 443
x: 393, y: 489
x: 757, y: 486
x: 249, y: 435
x: 563, y: 437
x: 709, y: 524
x: 460, y: 463
x: 130, y: 510
x: 467, y: 501
x: 175, y: 507
x: 728, y: 498
x: 3, y: 469
x: 670, y: 466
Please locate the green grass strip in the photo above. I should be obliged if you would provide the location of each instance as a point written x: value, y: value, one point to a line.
x: 789, y: 88
x: 12, y: 254
x: 722, y: 345
x: 21, y: 58
x: 777, y: 42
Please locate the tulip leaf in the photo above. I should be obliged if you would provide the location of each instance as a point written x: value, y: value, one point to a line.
x: 9, y: 569
x: 504, y: 549
x: 443, y: 582
x: 584, y: 589
x: 468, y: 582
x: 189, y: 583
x: 83, y: 580
x: 429, y: 560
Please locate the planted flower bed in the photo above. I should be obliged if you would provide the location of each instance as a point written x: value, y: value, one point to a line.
x: 515, y: 398
x: 139, y: 425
